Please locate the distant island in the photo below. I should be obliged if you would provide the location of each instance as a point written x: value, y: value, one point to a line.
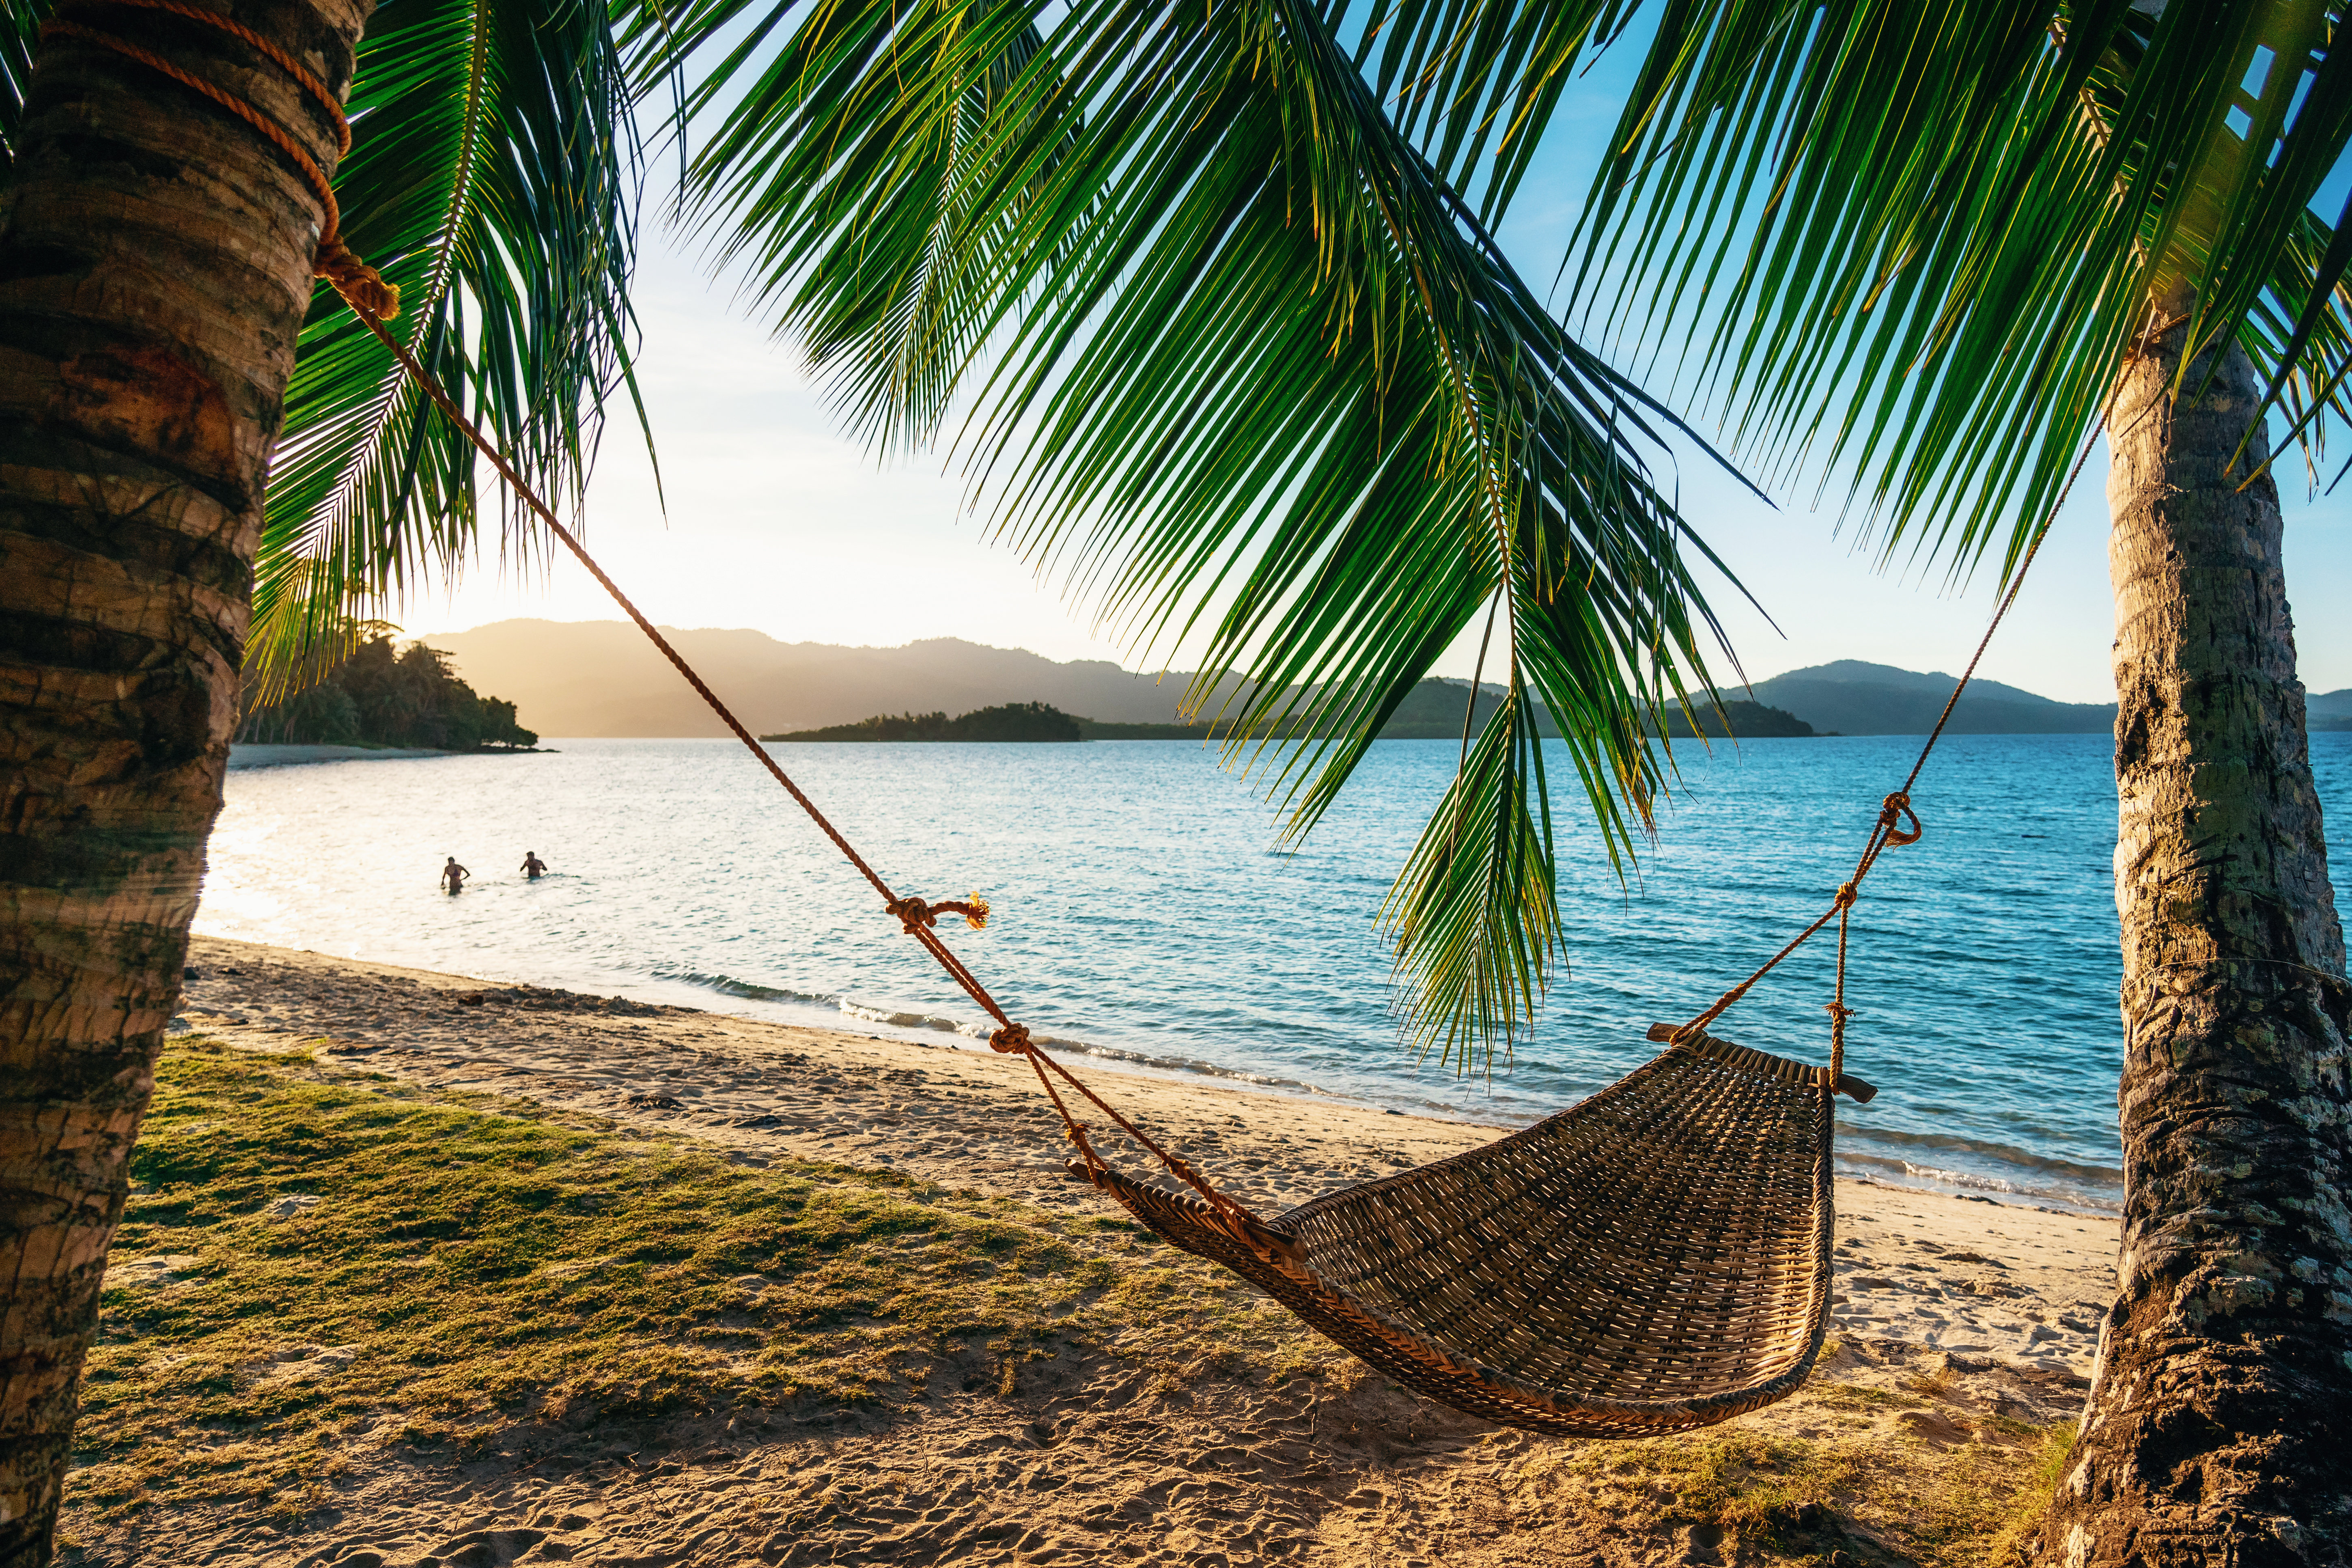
x: 1007, y: 721
x: 380, y: 697
x: 1433, y: 715
x: 1850, y: 696
x: 1746, y: 720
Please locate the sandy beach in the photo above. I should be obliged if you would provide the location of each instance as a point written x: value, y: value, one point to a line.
x: 1965, y: 1329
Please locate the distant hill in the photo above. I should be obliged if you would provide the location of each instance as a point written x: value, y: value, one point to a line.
x: 1852, y: 698
x: 2330, y: 710
x: 602, y: 678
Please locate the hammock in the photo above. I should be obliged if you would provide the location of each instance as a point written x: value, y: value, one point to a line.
x: 1653, y: 1260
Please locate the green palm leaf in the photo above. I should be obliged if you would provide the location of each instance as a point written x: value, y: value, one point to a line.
x: 492, y: 176
x: 1915, y: 241
x: 20, y: 37
x: 1222, y: 344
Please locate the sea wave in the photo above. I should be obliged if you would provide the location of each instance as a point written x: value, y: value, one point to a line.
x: 2018, y: 1186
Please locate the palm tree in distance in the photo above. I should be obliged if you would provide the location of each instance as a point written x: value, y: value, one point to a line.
x: 1212, y: 293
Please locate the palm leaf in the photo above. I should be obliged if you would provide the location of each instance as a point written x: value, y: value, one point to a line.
x: 1476, y: 912
x: 492, y: 176
x: 1226, y: 348
x: 1914, y: 242
x: 20, y: 39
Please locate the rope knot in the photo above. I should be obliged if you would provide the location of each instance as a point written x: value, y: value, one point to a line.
x: 361, y: 285
x: 914, y: 913
x: 1012, y: 1040
x: 1847, y: 894
x: 1893, y: 814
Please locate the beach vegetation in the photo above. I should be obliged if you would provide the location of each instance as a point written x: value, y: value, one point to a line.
x: 1007, y: 721
x: 382, y: 697
x: 316, y: 1261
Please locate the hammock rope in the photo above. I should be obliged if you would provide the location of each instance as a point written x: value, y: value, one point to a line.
x: 1428, y: 1273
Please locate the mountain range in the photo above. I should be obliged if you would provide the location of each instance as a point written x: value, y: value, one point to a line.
x: 602, y: 678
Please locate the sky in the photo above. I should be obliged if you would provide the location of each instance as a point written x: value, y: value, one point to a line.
x: 768, y: 516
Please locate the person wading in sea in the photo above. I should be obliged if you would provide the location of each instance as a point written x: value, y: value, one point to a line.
x: 533, y: 865
x: 454, y: 875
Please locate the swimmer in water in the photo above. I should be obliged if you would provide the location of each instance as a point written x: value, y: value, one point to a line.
x: 533, y: 865
x: 454, y: 875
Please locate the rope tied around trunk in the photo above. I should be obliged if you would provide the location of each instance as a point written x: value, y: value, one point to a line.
x: 361, y: 285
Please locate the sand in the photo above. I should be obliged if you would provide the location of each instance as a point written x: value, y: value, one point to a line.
x: 1991, y: 1308
x: 275, y: 756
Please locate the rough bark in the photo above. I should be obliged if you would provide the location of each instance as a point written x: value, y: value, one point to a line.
x: 154, y: 269
x: 2219, y: 1426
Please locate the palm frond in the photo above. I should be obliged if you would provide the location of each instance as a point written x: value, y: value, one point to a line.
x: 1476, y: 913
x: 20, y: 39
x: 492, y: 175
x: 1232, y: 354
x: 1474, y: 82
x: 1915, y: 241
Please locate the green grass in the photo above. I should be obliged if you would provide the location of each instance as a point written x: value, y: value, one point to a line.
x: 483, y: 1266
x: 1787, y: 1499
x: 1753, y: 1483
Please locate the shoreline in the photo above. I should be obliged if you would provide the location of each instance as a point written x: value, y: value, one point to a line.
x: 1962, y: 1275
x: 246, y: 755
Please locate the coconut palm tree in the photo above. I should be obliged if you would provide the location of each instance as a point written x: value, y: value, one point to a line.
x: 166, y: 354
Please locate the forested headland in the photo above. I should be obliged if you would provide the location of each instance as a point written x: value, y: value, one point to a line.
x: 382, y: 697
x: 1007, y: 721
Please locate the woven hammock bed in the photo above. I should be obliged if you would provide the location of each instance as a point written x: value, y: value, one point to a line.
x: 1653, y: 1260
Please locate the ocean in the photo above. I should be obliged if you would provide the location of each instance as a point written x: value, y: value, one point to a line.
x: 1145, y: 911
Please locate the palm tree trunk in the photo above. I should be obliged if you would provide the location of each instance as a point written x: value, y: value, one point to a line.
x: 2221, y: 1417
x: 154, y: 269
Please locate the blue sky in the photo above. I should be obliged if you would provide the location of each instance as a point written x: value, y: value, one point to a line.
x: 775, y: 521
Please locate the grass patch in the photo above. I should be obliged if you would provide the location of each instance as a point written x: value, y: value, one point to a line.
x: 2046, y: 1467
x: 1752, y: 1483
x: 471, y: 1265
x: 1757, y: 1496
x: 1855, y: 1396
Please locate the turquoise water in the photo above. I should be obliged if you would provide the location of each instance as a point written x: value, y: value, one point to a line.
x: 1143, y: 912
